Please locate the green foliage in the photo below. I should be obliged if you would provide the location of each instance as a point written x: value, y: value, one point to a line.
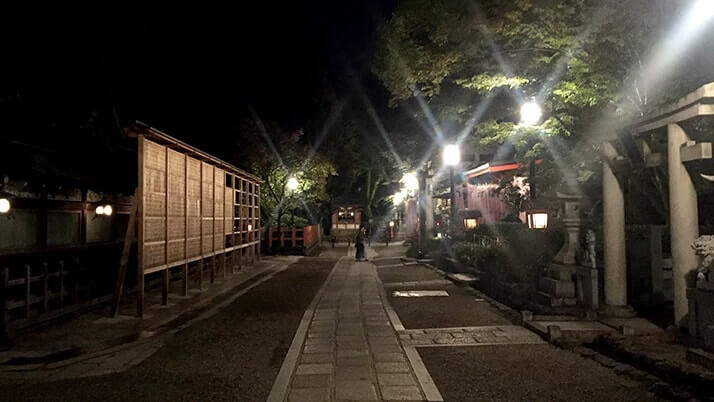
x: 510, y: 251
x: 583, y: 59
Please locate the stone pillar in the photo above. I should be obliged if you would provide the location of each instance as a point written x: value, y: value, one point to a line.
x: 683, y: 220
x: 613, y: 217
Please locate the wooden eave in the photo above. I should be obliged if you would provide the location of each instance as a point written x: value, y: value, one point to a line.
x: 143, y: 129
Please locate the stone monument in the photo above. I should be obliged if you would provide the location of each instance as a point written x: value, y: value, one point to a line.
x: 701, y: 297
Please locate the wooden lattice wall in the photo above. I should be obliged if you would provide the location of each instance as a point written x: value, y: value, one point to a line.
x: 191, y: 210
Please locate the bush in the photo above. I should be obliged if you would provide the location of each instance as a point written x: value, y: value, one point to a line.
x: 510, y: 251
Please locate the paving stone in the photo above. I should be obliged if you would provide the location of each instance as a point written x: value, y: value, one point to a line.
x: 383, y: 340
x: 352, y: 346
x: 391, y: 379
x: 321, y: 348
x: 355, y: 391
x: 389, y: 357
x: 317, y: 358
x: 311, y: 381
x: 400, y: 393
x: 351, y: 338
x: 352, y: 353
x: 314, y: 368
x: 309, y: 394
x: 343, y: 373
x: 354, y: 361
x: 391, y: 368
x: 386, y: 348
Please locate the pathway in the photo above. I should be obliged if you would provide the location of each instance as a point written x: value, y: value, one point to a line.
x: 350, y: 351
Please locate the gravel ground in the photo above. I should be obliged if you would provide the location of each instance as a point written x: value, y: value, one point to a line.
x: 234, y: 355
x: 406, y: 273
x: 525, y: 372
x: 459, y: 309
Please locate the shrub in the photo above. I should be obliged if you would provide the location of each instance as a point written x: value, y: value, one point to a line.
x: 510, y: 251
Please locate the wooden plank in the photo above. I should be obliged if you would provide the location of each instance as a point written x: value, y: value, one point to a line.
x: 696, y: 152
x: 129, y: 236
x: 140, y: 232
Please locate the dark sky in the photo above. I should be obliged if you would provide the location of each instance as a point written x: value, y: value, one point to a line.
x: 190, y: 70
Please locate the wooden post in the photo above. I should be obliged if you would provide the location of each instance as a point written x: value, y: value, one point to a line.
x: 124, y: 259
x: 200, y: 226
x: 213, y: 221
x: 4, y: 318
x: 45, y: 287
x: 140, y: 234
x: 61, y: 288
x: 75, y: 290
x: 27, y: 290
x: 185, y: 226
x: 165, y: 273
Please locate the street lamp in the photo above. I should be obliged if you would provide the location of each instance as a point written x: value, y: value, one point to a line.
x: 531, y: 113
x: 411, y: 183
x: 451, y: 157
x: 293, y: 184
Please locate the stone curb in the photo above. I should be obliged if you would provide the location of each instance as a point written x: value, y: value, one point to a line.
x: 655, y: 383
x: 660, y: 368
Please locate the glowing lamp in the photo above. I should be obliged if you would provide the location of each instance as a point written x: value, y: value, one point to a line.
x: 99, y: 210
x: 4, y: 205
x: 108, y: 210
x: 250, y: 227
x: 293, y: 184
x: 470, y: 223
x: 451, y: 155
x: 411, y: 182
x: 537, y: 218
x: 391, y: 224
x: 531, y: 113
x: 398, y: 198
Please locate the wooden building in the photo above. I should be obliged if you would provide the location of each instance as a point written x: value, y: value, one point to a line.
x: 58, y: 255
x: 346, y: 221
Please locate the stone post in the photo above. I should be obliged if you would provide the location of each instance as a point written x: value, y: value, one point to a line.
x: 683, y: 220
x: 613, y: 216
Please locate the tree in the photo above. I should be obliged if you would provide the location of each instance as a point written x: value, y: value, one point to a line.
x: 584, y: 61
x: 276, y: 155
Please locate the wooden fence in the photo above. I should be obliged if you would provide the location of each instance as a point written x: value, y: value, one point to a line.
x: 192, y: 207
x: 41, y: 285
x: 294, y: 238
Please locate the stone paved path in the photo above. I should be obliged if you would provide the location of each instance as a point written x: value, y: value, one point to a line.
x: 351, y: 351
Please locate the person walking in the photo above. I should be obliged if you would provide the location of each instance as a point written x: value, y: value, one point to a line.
x: 359, y: 245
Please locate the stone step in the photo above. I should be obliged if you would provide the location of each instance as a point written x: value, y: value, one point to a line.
x: 546, y: 299
x: 557, y: 288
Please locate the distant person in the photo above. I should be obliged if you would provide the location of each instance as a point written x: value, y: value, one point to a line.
x: 333, y: 240
x: 359, y: 245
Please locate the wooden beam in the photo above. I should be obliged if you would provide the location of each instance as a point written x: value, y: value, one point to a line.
x: 696, y: 152
x: 140, y: 235
x: 124, y: 260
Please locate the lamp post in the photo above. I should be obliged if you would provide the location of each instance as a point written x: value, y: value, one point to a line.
x: 452, y: 157
x: 536, y: 213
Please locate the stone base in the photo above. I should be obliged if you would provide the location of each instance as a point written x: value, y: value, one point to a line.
x: 587, y: 287
x: 617, y: 311
x: 701, y: 357
x: 557, y: 288
x: 701, y: 311
x: 545, y: 299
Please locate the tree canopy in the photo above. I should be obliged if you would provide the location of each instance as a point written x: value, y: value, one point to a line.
x: 584, y: 61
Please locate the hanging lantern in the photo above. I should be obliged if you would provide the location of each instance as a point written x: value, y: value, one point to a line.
x: 537, y: 215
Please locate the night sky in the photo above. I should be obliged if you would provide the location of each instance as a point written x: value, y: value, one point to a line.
x: 189, y: 71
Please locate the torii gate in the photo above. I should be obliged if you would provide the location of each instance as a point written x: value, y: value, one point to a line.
x: 683, y: 210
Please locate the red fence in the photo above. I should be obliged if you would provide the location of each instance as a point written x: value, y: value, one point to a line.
x: 289, y: 237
